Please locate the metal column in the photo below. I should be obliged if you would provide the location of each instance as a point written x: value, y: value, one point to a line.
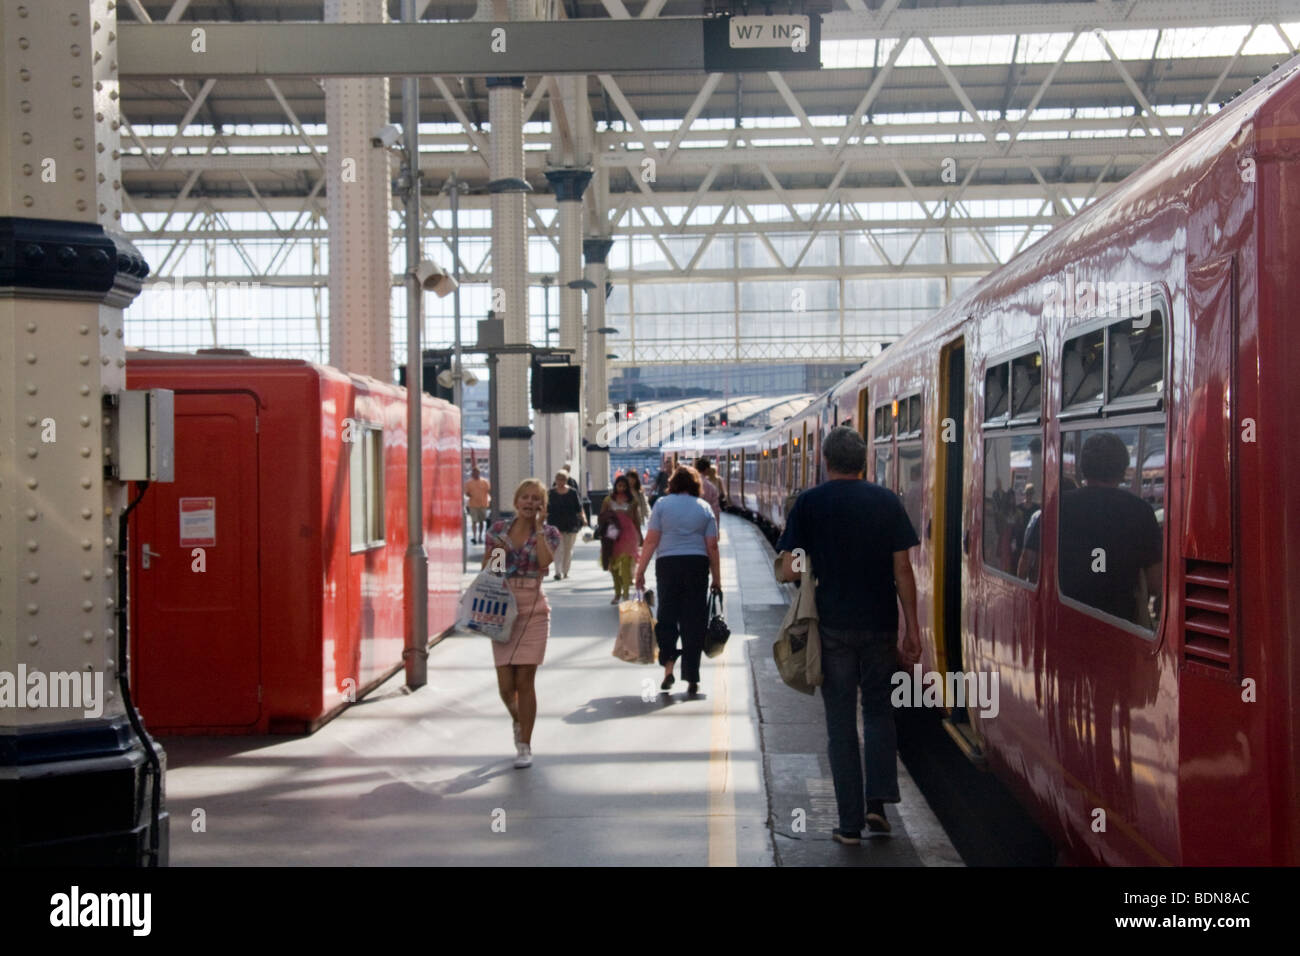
x: 69, y: 775
x: 358, y: 203
x: 596, y: 250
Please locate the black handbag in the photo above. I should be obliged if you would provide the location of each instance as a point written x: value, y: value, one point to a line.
x: 717, y: 632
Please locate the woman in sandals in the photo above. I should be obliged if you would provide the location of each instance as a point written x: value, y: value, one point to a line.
x: 525, y: 546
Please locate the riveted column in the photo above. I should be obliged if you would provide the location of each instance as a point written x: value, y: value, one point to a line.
x: 569, y: 185
x: 510, y: 286
x: 599, y: 423
x: 358, y: 204
x: 71, y: 769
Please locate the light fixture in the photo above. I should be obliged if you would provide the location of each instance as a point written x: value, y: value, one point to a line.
x: 606, y: 330
x: 510, y: 184
x: 610, y: 355
x: 585, y: 284
x: 433, y: 278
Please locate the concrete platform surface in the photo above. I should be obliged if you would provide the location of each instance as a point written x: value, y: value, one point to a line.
x: 622, y: 774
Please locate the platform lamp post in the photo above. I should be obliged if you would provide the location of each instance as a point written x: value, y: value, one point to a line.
x: 420, y: 275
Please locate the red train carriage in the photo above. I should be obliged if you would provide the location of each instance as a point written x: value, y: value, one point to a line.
x: 1132, y: 380
x: 266, y: 581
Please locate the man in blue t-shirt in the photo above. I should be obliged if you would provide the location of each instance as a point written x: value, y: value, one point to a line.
x: 855, y: 535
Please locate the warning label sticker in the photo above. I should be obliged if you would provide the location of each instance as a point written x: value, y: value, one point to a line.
x: 198, y: 522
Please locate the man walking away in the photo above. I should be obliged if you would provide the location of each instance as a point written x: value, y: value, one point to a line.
x: 856, y: 535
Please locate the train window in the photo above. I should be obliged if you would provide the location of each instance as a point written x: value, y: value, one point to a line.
x: 366, y: 487
x: 1013, y: 496
x: 910, y: 488
x: 1110, y: 542
x: 1081, y: 368
x: 1027, y: 387
x: 1136, y: 358
x: 885, y: 422
x: 914, y: 414
x: 996, y: 398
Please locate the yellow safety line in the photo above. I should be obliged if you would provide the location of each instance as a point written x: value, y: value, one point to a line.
x: 722, y: 793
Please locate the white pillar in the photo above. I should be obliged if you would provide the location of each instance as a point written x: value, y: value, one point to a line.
x: 510, y: 284
x: 360, y: 278
x: 65, y: 276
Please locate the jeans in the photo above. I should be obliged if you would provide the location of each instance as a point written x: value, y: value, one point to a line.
x: 683, y: 605
x: 853, y: 661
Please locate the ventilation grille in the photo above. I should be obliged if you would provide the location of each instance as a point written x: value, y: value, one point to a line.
x: 1208, y: 618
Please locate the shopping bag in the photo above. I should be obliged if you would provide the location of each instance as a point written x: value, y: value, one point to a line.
x: 717, y: 632
x: 791, y: 653
x: 488, y: 607
x: 635, y: 642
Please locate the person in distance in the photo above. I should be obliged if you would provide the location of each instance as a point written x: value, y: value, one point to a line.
x: 479, y: 493
x: 856, y: 535
x: 621, y: 511
x: 564, y: 509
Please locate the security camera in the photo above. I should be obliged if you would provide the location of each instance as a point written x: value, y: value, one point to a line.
x: 386, y: 138
x: 433, y: 278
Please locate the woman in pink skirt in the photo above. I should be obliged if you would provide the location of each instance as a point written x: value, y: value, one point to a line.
x: 525, y: 546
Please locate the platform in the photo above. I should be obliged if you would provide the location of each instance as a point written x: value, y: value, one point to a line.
x: 427, y: 778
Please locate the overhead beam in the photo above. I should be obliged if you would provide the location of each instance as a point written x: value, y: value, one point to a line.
x: 467, y: 48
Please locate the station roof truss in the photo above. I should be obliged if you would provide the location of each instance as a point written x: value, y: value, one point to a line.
x: 984, y: 120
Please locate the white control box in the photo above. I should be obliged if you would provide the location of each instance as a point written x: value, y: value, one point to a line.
x: 145, y: 439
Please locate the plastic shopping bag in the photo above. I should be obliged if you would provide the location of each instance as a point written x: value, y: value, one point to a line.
x: 488, y: 607
x: 636, y: 632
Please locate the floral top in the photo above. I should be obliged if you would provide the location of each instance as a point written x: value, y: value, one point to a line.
x: 521, y: 562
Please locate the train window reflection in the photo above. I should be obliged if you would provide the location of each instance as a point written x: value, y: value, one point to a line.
x: 1081, y: 369
x: 910, y: 488
x: 1027, y: 386
x: 1110, y: 543
x: 880, y: 472
x: 996, y: 399
x: 1137, y: 357
x: 1013, y: 483
x: 914, y: 414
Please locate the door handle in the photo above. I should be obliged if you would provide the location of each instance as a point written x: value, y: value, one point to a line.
x: 145, y: 555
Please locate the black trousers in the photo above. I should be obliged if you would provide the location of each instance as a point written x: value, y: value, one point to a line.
x: 682, y: 608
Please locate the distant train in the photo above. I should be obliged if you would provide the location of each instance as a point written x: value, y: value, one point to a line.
x: 267, y: 580
x: 1148, y: 717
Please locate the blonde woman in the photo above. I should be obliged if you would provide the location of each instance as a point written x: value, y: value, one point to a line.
x: 525, y: 546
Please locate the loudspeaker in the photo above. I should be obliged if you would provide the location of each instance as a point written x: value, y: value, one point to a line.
x: 556, y: 388
x: 432, y: 367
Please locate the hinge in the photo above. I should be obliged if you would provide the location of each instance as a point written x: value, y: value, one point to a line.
x: 257, y: 424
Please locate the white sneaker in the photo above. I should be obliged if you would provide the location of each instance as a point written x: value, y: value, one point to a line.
x: 525, y: 758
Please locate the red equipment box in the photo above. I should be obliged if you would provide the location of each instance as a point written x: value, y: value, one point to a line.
x: 267, y: 580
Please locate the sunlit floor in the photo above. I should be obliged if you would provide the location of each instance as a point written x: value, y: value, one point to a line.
x: 427, y: 778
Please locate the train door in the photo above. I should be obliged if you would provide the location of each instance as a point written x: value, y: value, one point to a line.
x: 195, y: 603
x: 950, y: 537
x: 864, y: 411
